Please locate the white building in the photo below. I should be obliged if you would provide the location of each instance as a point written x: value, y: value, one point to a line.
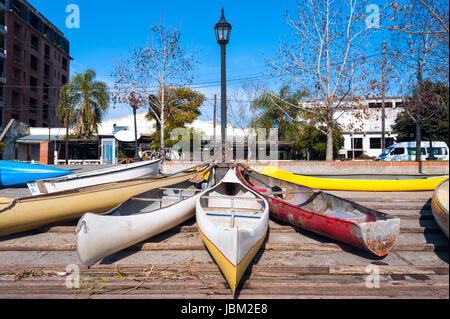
x: 361, y: 125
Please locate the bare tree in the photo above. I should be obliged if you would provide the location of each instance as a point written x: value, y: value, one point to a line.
x: 324, y: 56
x: 241, y: 110
x: 154, y: 67
x: 420, y: 50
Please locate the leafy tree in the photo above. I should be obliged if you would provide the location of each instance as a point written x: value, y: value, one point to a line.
x: 435, y: 107
x: 183, y: 109
x: 94, y: 101
x: 278, y: 111
x: 312, y: 143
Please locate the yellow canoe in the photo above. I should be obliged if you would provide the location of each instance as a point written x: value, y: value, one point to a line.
x: 439, y: 206
x: 368, y: 185
x: 22, y: 214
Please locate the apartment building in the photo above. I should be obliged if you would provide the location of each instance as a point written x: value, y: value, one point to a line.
x: 34, y: 64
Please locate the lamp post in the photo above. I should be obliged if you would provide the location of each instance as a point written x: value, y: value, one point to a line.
x: 223, y: 30
x: 134, y: 105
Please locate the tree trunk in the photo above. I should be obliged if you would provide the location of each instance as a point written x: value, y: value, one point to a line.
x: 163, y: 101
x: 330, y: 155
x: 67, y: 139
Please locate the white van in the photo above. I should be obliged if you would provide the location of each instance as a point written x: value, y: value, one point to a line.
x: 406, y: 151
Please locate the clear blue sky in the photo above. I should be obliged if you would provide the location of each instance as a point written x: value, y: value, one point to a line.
x: 109, y: 28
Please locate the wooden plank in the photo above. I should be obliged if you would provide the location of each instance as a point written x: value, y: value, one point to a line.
x: 199, y: 246
x: 207, y: 269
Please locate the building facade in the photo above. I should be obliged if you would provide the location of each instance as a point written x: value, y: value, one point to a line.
x: 361, y: 125
x: 34, y: 64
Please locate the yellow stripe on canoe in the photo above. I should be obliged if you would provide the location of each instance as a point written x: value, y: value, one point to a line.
x: 426, y: 184
x: 232, y: 274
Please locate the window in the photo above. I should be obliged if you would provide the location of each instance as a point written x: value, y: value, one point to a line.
x: 34, y: 63
x: 64, y: 64
x: 32, y: 123
x: 17, y: 30
x: 34, y: 42
x: 399, y: 104
x: 357, y: 143
x: 389, y: 141
x: 45, y: 112
x: 34, y: 21
x: 15, y: 99
x: 375, y: 143
x: 16, y: 76
x: 64, y: 79
x: 46, y: 71
x: 398, y: 151
x: 47, y: 52
x: 412, y: 151
x: 33, y: 83
x: 33, y: 105
x: 46, y: 94
x: 17, y: 53
x: 380, y: 105
x: 438, y: 151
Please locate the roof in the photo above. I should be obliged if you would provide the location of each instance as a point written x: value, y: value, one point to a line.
x: 36, y: 139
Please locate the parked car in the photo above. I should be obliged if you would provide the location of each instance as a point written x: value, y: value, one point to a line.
x: 406, y: 151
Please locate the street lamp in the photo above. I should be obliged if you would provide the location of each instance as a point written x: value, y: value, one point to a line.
x: 223, y: 30
x: 134, y: 105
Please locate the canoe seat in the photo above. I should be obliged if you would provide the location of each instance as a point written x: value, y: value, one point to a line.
x: 234, y: 216
x: 154, y: 199
x: 237, y: 210
x: 233, y: 198
x: 182, y: 189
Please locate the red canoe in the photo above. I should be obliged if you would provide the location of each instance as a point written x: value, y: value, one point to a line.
x: 325, y: 214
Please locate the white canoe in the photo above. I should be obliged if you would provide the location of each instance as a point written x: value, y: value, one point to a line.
x: 233, y: 222
x: 96, y: 177
x: 439, y: 206
x: 139, y: 218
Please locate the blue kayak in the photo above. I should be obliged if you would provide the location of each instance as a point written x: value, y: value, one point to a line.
x: 17, y: 173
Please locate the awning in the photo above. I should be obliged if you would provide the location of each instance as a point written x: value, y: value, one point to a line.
x: 37, y: 139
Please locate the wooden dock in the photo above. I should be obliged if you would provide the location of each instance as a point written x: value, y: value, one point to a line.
x: 292, y: 264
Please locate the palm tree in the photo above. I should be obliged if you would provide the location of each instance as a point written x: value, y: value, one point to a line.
x: 94, y: 101
x: 279, y: 111
x: 68, y: 99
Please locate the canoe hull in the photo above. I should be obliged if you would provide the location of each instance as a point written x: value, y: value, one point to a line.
x: 439, y: 207
x: 367, y: 185
x: 115, y: 174
x: 233, y: 248
x: 376, y: 232
x: 377, y: 238
x: 16, y: 173
x: 233, y: 273
x: 17, y: 215
x: 99, y: 236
